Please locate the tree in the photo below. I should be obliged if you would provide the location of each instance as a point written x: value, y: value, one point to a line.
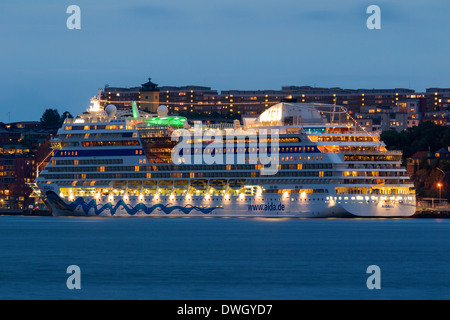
x: 426, y: 136
x: 50, y: 118
x: 65, y: 115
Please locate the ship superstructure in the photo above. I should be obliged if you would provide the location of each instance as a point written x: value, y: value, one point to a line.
x: 111, y: 163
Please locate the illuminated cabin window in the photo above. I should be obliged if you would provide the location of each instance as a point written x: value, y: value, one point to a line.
x: 109, y: 143
x: 114, y: 127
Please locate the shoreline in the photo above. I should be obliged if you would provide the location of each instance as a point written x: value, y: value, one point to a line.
x: 422, y: 214
x: 28, y: 213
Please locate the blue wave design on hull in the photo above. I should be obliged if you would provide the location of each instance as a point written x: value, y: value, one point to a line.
x: 129, y: 209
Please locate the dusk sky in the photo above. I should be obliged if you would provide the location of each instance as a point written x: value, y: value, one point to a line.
x: 232, y: 44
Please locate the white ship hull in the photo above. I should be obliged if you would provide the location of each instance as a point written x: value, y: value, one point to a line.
x: 167, y: 206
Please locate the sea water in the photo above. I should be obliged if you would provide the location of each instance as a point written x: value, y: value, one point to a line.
x: 223, y: 258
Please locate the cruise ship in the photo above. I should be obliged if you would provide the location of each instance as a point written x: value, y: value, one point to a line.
x: 293, y: 160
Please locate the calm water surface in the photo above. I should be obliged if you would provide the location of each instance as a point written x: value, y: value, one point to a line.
x: 218, y: 258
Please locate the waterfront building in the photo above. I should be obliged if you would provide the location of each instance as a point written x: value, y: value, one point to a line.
x: 201, y: 100
x: 15, y: 173
x: 417, y: 160
x: 382, y: 118
x: 146, y: 96
x: 438, y: 99
x: 443, y: 153
x: 441, y: 118
x: 149, y: 97
x: 120, y: 97
x: 352, y: 99
x: 21, y: 143
x: 190, y: 99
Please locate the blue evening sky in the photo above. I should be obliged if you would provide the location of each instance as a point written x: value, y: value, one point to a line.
x: 224, y: 44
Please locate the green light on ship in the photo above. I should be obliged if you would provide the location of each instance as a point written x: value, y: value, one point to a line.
x: 172, y: 121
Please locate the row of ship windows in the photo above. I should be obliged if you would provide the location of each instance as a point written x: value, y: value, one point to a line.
x: 172, y: 168
x: 257, y: 181
x: 229, y: 167
x: 86, y: 162
x: 343, y: 138
x: 94, y: 127
x: 372, y: 158
x: 256, y: 139
x: 186, y: 175
x: 246, y: 150
x: 188, y: 151
x: 97, y: 135
x: 189, y: 160
x: 116, y: 143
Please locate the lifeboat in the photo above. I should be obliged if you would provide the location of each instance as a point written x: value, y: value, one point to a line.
x: 119, y: 184
x: 149, y: 184
x: 166, y: 184
x: 218, y: 184
x: 236, y: 184
x: 181, y: 184
x: 199, y: 184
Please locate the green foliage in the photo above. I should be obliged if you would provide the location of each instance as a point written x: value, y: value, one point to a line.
x: 444, y: 165
x: 65, y: 115
x: 426, y: 136
x: 50, y: 118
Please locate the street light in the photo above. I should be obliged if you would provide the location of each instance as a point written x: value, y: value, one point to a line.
x: 439, y: 185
